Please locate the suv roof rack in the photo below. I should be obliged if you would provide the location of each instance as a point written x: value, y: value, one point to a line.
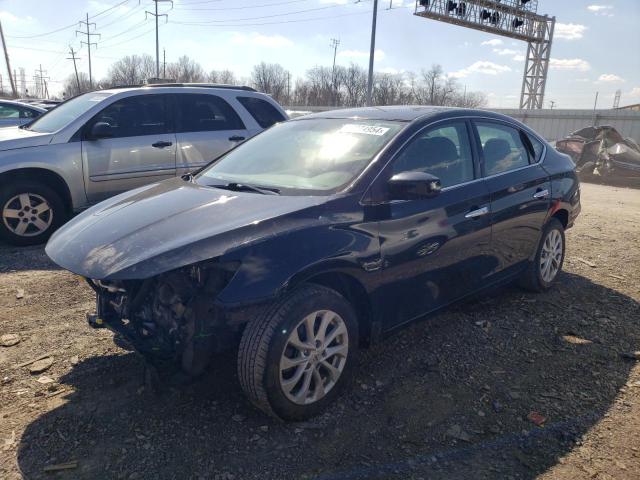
x: 202, y: 85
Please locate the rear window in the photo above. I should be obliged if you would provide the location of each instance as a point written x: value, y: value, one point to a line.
x: 262, y: 111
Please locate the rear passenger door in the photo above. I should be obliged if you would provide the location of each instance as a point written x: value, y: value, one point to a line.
x: 207, y: 127
x: 520, y: 190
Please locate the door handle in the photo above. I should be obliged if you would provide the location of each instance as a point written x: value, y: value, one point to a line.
x: 161, y: 144
x: 477, y: 213
x: 236, y: 138
x: 541, y: 194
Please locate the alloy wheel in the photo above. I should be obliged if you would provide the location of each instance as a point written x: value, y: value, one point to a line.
x: 551, y: 255
x: 314, y: 357
x: 27, y: 214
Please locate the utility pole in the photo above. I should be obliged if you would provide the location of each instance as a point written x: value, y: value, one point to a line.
x: 6, y: 58
x: 74, y: 58
x: 164, y: 63
x: 40, y: 81
x: 334, y: 44
x: 595, y: 106
x: 372, y: 54
x: 553, y: 104
x: 156, y: 15
x: 88, y: 43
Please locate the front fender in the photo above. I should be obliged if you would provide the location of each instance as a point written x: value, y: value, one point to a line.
x: 271, y: 268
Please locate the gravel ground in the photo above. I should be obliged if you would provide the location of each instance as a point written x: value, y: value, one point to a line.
x: 510, y: 385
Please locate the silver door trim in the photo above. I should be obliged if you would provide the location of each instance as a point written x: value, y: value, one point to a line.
x: 477, y: 213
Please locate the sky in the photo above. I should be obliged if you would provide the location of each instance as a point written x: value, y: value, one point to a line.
x: 596, y: 45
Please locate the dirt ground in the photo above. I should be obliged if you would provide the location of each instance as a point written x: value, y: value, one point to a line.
x: 457, y: 396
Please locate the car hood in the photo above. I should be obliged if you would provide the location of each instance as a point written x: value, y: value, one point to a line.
x: 15, y: 137
x: 167, y: 225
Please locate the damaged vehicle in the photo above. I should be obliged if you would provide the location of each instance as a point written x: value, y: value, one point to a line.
x: 320, y: 236
x: 602, y: 151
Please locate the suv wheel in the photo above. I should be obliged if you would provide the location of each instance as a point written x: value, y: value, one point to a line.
x: 547, y: 264
x: 29, y: 213
x: 296, y: 357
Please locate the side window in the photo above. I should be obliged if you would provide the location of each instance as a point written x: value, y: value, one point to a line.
x: 9, y: 112
x: 136, y: 116
x: 502, y: 147
x: 443, y: 151
x: 538, y: 147
x: 262, y: 111
x: 206, y: 113
x: 26, y: 113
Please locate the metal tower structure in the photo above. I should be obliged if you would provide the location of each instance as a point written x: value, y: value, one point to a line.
x: 616, y: 99
x: 517, y: 19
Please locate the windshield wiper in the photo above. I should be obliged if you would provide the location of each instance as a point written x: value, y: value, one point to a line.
x: 244, y: 187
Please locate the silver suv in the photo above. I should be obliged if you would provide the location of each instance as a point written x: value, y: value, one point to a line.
x: 106, y: 142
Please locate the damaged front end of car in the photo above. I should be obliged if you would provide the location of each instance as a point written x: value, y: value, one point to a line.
x: 172, y: 317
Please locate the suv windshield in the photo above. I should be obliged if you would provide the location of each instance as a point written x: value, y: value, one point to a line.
x: 66, y: 112
x: 313, y: 156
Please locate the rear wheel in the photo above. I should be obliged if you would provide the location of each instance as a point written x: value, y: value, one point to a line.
x: 295, y: 358
x: 547, y: 264
x: 29, y: 213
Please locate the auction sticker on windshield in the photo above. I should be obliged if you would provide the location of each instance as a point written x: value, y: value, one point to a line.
x: 366, y: 129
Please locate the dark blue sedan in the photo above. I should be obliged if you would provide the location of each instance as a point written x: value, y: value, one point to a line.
x: 322, y: 235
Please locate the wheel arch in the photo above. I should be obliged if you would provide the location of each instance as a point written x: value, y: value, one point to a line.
x: 356, y: 294
x: 563, y: 216
x: 48, y: 177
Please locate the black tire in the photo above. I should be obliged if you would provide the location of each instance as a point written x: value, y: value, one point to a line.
x: 532, y: 278
x: 265, y: 339
x: 51, y: 197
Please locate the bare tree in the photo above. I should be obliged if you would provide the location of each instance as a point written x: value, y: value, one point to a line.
x: 272, y: 79
x: 71, y: 85
x: 355, y: 85
x: 131, y: 70
x: 388, y: 89
x: 223, y: 76
x: 185, y: 70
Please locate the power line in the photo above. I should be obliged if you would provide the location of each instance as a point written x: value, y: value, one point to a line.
x: 179, y: 7
x: 109, y: 9
x: 280, y: 22
x: 276, y: 14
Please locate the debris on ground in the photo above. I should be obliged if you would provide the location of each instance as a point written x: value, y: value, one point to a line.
x: 537, y: 418
x: 9, y: 340
x: 631, y: 355
x: 60, y: 466
x: 20, y: 293
x: 40, y: 366
x: 458, y: 433
x: 45, y: 380
x: 576, y: 340
x: 586, y: 262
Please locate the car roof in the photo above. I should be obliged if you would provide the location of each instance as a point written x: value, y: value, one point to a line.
x: 22, y: 104
x: 403, y: 113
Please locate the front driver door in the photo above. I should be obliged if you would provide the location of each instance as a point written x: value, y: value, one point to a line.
x: 435, y: 250
x: 142, y: 148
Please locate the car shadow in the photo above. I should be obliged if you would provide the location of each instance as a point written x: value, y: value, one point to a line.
x: 451, y: 397
x: 17, y: 259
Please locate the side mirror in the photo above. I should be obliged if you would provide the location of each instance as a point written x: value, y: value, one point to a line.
x: 101, y: 130
x: 413, y: 185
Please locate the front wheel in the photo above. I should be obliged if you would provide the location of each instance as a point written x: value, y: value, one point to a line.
x: 29, y: 213
x: 296, y: 357
x: 547, y: 264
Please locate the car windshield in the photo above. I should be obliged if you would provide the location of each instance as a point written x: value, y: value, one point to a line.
x: 314, y: 156
x: 66, y: 112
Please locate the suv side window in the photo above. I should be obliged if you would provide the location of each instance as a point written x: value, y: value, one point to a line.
x: 443, y: 151
x: 136, y: 116
x: 206, y: 113
x: 502, y: 147
x: 262, y: 111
